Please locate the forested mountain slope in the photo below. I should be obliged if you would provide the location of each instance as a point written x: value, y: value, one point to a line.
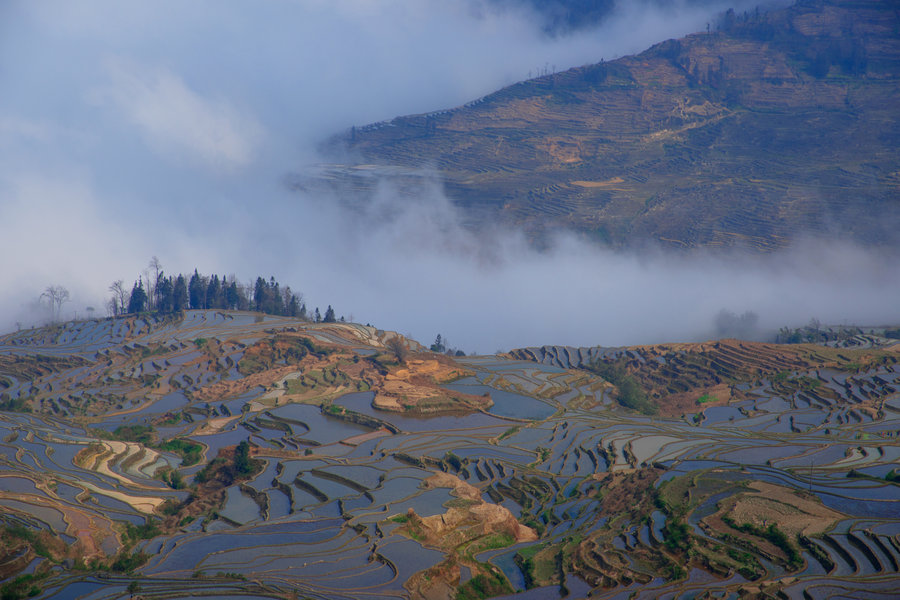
x: 772, y: 125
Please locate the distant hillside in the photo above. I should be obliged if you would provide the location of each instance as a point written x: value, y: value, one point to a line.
x: 770, y: 125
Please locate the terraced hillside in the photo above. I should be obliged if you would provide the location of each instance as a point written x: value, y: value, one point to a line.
x: 237, y: 455
x: 773, y: 125
x: 678, y: 377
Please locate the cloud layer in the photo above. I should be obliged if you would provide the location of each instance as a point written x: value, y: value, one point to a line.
x: 166, y: 128
x: 178, y: 122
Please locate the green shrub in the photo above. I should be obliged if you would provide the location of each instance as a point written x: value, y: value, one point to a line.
x: 243, y: 466
x: 125, y: 563
x: 170, y: 507
x: 27, y: 535
x: 134, y: 433
x: 484, y: 585
x: 453, y: 460
x: 630, y: 393
x: 204, y: 474
x: 189, y: 451
x: 22, y: 586
x: 10, y: 404
x: 509, y: 432
x: 148, y: 530
x: 677, y: 534
x: 773, y: 535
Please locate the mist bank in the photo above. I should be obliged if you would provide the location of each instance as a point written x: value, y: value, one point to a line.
x: 410, y: 264
x: 407, y: 263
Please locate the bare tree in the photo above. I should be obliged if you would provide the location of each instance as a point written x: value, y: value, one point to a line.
x: 120, y: 296
x: 56, y: 296
x: 815, y: 324
x: 148, y: 289
x: 153, y: 291
x: 245, y: 292
x: 396, y: 347
x: 286, y: 294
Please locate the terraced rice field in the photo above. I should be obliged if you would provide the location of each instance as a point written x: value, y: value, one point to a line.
x: 112, y: 429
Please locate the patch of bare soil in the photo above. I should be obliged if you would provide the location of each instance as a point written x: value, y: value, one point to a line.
x: 676, y: 405
x: 468, y: 520
x: 416, y: 387
x: 411, y: 387
x: 213, y: 426
x: 478, y: 516
x: 768, y: 504
x: 625, y: 489
x: 228, y: 389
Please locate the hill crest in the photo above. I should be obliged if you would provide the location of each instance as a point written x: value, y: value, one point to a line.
x: 779, y: 124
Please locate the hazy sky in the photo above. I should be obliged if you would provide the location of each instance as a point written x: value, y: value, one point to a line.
x: 166, y: 128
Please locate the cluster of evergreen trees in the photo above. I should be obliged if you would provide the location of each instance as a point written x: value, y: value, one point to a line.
x: 440, y: 346
x: 171, y: 294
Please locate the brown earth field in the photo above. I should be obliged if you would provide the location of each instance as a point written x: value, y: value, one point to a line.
x: 468, y: 524
x: 412, y: 386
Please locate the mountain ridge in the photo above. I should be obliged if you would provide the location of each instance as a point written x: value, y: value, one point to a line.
x: 778, y: 123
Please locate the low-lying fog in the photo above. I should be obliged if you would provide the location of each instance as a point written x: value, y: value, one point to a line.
x: 167, y: 129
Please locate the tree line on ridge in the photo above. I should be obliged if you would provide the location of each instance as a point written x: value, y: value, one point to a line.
x: 169, y: 294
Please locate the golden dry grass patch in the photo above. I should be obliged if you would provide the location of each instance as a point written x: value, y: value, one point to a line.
x: 608, y: 184
x: 478, y: 516
x: 791, y: 512
x: 213, y: 426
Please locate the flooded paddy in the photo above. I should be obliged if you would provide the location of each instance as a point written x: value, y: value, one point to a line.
x: 553, y: 450
x: 508, y: 404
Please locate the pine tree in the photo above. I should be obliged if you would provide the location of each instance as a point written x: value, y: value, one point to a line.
x: 201, y: 292
x: 242, y: 463
x: 221, y: 296
x: 165, y: 294
x: 287, y: 295
x: 179, y: 295
x: 213, y: 293
x: 138, y: 300
x: 197, y: 290
x: 259, y: 294
x: 232, y: 298
x: 329, y: 315
x: 277, y: 305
